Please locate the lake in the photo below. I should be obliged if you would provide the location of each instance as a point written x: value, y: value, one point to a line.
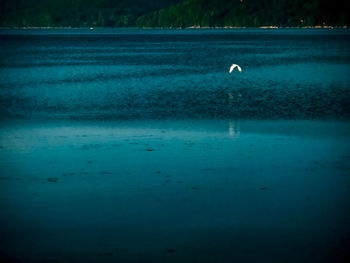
x: 130, y: 145
x: 162, y: 74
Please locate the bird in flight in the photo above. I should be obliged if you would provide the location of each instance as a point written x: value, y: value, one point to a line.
x: 235, y: 66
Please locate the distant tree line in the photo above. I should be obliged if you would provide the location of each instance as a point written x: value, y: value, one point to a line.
x: 76, y: 13
x: 251, y: 13
x: 173, y: 13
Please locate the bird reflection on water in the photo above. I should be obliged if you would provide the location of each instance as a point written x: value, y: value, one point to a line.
x: 234, y: 130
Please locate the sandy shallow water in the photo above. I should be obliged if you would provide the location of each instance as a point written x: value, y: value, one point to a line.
x: 175, y: 191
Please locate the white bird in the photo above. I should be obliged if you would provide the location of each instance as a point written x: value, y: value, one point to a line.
x: 235, y: 66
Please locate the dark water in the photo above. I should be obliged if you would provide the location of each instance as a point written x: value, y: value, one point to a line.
x: 159, y: 74
x: 138, y: 146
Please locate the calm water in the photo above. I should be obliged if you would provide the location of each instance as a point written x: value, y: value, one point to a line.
x: 138, y: 146
x: 128, y: 74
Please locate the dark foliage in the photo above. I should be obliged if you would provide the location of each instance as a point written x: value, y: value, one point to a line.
x: 212, y: 13
x: 76, y: 13
x: 172, y: 13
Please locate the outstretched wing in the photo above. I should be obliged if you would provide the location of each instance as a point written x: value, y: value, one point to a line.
x: 234, y: 66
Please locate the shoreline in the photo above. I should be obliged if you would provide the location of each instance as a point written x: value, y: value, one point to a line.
x: 177, y: 28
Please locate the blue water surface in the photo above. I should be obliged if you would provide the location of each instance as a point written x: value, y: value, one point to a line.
x: 129, y: 145
x: 162, y: 74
